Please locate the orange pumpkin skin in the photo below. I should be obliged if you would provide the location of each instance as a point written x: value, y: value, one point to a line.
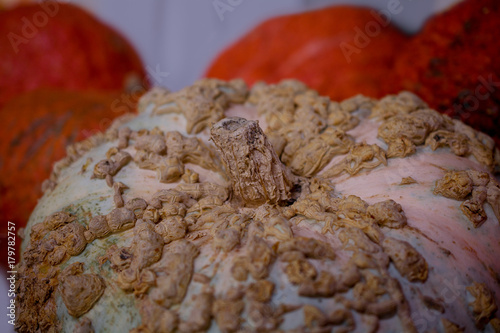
x: 61, y: 46
x: 452, y: 64
x: 322, y: 48
x: 37, y: 128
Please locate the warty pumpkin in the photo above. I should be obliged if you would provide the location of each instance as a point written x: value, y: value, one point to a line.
x: 223, y: 208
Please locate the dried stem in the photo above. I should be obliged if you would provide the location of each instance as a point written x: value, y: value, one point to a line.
x: 257, y: 174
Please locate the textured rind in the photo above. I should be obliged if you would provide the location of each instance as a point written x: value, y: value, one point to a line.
x: 457, y: 254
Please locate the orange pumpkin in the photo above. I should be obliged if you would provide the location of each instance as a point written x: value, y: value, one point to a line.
x: 59, y: 45
x: 339, y: 51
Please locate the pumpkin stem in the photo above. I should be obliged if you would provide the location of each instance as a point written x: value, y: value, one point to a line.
x: 256, y: 172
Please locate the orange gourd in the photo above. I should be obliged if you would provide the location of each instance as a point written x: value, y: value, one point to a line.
x: 62, y: 46
x: 339, y: 51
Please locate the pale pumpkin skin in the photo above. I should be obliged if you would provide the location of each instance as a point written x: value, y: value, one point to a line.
x: 457, y: 254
